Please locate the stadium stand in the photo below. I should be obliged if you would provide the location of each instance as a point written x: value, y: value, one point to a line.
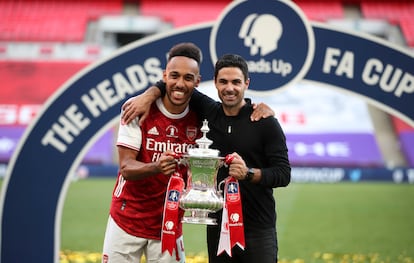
x: 321, y: 10
x: 399, y: 12
x: 407, y: 27
x: 187, y: 12
x: 47, y: 20
x: 20, y: 77
x: 67, y: 21
x: 182, y: 13
x: 62, y: 36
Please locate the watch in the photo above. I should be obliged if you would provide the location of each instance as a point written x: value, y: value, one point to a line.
x: 250, y: 174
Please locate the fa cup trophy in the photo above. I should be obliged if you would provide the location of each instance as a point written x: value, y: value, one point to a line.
x: 201, y: 196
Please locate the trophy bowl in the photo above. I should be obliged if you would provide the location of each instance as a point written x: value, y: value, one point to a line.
x: 201, y: 196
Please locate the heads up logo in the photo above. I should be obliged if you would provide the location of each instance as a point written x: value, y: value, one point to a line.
x: 256, y: 36
x: 273, y: 36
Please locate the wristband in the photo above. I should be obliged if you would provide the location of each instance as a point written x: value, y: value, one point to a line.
x: 249, y: 175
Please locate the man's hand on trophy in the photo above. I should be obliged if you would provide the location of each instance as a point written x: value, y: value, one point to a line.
x: 237, y: 166
x: 167, y: 163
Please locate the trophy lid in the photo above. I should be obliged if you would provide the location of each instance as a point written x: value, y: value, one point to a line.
x: 204, y: 143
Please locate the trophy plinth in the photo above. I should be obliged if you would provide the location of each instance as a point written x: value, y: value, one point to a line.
x: 201, y: 196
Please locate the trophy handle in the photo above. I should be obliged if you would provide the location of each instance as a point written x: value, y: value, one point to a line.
x: 219, y: 186
x: 226, y: 161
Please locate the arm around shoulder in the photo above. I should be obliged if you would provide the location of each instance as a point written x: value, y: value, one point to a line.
x: 140, y: 105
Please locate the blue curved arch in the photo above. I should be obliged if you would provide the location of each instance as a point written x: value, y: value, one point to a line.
x: 37, y: 172
x: 36, y: 181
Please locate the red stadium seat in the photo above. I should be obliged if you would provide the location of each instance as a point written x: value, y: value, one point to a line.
x: 383, y: 10
x: 321, y: 10
x: 183, y: 13
x: 396, y: 12
x: 48, y: 20
x: 407, y: 28
x: 32, y: 78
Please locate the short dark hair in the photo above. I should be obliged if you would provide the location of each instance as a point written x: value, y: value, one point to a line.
x: 186, y: 49
x: 233, y: 61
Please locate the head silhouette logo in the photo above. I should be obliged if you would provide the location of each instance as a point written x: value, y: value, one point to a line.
x: 268, y: 39
x: 256, y: 35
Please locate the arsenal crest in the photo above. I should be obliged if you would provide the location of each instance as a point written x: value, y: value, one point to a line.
x: 191, y: 133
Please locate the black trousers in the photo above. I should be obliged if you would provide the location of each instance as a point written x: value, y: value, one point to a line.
x: 261, y: 246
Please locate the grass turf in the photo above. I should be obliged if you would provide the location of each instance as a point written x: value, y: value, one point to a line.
x: 313, y: 219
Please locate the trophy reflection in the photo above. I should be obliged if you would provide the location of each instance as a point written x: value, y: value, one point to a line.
x: 201, y: 197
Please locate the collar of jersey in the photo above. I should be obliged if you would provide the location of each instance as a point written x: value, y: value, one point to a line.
x: 168, y: 114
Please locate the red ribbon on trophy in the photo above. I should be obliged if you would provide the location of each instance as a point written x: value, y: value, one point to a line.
x: 232, y: 227
x: 171, y: 213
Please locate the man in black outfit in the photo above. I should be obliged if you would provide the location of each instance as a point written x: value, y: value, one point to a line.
x: 260, y: 162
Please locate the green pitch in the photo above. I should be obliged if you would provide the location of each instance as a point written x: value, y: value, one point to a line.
x: 315, y: 221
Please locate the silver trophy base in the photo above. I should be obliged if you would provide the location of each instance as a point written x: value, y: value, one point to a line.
x: 199, y: 217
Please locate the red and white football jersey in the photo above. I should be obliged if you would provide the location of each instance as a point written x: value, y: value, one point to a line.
x: 137, y: 206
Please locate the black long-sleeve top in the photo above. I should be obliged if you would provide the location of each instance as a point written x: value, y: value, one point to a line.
x: 261, y: 144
